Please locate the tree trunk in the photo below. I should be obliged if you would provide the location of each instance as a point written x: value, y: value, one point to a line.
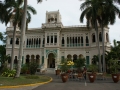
x: 23, y: 26
x: 103, y: 40
x: 96, y: 28
x: 13, y: 46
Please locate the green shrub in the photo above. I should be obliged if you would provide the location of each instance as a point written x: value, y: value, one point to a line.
x: 32, y: 77
x: 25, y: 69
x: 93, y: 68
x: 9, y: 73
x: 33, y: 67
x: 79, y: 63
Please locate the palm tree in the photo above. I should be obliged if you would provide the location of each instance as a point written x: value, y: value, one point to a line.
x: 107, y: 14
x: 113, y: 54
x: 23, y: 25
x: 117, y: 1
x: 17, y: 11
x: 4, y: 16
x: 90, y: 8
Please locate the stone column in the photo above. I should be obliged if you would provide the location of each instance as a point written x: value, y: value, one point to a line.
x: 24, y: 61
x: 58, y: 39
x: 53, y: 39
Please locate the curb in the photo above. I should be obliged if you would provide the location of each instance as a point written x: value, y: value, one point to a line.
x: 18, y: 86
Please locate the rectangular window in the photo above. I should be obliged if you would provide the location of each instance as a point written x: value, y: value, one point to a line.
x: 87, y: 60
x: 55, y: 38
x: 62, y: 57
x: 11, y: 40
x: 51, y: 39
x: 62, y: 40
x: 42, y: 59
x: 22, y: 59
x: 47, y: 39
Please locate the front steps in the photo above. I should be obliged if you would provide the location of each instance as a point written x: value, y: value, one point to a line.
x: 50, y: 71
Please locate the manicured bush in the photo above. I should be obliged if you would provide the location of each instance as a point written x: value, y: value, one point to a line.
x: 9, y: 73
x: 33, y: 67
x: 25, y: 69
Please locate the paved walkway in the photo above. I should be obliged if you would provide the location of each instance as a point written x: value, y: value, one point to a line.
x: 57, y: 84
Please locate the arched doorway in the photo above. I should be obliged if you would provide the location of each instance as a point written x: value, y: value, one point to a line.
x: 27, y: 59
x: 51, y: 60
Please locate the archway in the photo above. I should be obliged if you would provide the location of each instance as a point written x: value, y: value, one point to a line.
x: 51, y: 60
x: 37, y: 59
x: 27, y: 59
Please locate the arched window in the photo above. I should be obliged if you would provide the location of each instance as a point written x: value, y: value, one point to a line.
x: 48, y: 20
x: 82, y: 40
x: 51, y: 39
x: 15, y: 60
x: 37, y: 41
x: 87, y: 41
x: 32, y: 41
x: 17, y: 41
x: 107, y: 39
x: 81, y: 56
x: 100, y: 37
x: 11, y: 40
x: 73, y: 41
x: 70, y: 40
x: 55, y: 38
x: 69, y: 57
x: 74, y: 57
x: 93, y: 38
x: 67, y: 40
x: 27, y: 59
x: 37, y: 58
x: 55, y: 19
x: 32, y: 58
x: 27, y: 41
x: 62, y: 40
x: 47, y: 39
x: 78, y: 39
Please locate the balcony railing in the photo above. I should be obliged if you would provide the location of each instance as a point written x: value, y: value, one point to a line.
x: 75, y: 45
x: 32, y: 46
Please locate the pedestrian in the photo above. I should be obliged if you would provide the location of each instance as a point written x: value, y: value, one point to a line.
x: 84, y: 72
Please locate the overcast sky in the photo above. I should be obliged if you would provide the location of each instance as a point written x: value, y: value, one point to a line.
x: 70, y: 13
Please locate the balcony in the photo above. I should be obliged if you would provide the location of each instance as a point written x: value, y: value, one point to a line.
x: 32, y: 46
x: 75, y: 45
x: 12, y: 28
x: 48, y: 25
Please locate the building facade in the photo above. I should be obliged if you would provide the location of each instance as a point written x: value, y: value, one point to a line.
x: 53, y: 41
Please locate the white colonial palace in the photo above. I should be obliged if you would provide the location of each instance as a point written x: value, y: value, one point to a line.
x: 54, y: 41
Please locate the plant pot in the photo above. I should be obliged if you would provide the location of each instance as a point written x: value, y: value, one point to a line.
x: 64, y: 77
x: 92, y: 77
x: 57, y: 72
x: 115, y: 77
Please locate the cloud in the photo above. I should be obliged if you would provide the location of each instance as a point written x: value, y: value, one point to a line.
x: 70, y: 12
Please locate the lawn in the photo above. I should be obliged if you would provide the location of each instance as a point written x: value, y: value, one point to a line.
x: 22, y: 80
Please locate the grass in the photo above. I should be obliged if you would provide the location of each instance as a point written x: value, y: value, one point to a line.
x: 22, y: 80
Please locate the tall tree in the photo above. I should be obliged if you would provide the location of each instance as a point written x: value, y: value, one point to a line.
x: 23, y: 26
x: 90, y: 8
x: 16, y: 8
x: 107, y: 15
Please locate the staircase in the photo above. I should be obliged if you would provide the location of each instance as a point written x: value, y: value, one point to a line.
x: 50, y: 71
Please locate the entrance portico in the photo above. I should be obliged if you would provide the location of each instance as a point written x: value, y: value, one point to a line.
x: 51, y: 58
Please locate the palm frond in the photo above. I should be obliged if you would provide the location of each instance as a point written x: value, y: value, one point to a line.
x: 31, y: 9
